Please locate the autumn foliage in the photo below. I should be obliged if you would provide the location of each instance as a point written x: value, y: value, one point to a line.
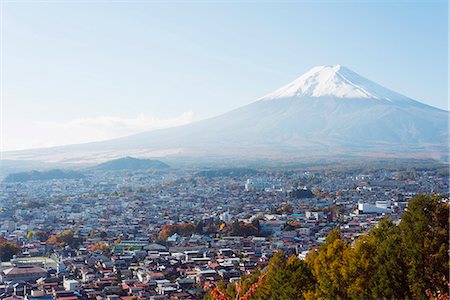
x: 183, y: 229
x: 65, y: 238
x: 217, y: 291
x: 240, y: 228
x: 99, y: 247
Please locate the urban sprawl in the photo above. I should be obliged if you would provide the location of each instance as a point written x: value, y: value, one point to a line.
x: 165, y: 234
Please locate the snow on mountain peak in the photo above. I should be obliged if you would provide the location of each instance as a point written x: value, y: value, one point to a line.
x: 334, y: 81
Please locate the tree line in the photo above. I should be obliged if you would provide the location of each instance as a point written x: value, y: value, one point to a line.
x: 211, y: 227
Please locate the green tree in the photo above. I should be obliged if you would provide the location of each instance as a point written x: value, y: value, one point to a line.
x: 282, y: 279
x: 299, y: 279
x: 285, y: 278
x: 328, y: 267
x: 388, y: 277
x: 424, y: 229
x: 358, y: 268
x: 275, y: 278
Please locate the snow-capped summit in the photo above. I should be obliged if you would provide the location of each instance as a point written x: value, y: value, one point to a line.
x: 335, y: 81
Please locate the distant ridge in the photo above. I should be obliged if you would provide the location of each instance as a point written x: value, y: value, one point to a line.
x: 42, y: 175
x: 131, y: 163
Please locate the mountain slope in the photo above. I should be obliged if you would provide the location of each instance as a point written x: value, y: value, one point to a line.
x: 327, y: 111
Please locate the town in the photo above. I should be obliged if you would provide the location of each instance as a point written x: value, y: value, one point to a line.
x: 164, y: 234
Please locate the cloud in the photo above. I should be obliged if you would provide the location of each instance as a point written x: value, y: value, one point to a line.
x: 82, y: 130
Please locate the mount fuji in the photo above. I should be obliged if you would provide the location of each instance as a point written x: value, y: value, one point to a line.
x: 329, y: 110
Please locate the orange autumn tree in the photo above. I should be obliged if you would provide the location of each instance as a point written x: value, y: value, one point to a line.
x: 182, y: 229
x: 217, y: 291
x: 54, y: 239
x: 99, y: 246
x: 66, y: 237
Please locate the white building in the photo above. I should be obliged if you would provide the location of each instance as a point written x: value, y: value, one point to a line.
x: 71, y: 285
x: 365, y: 208
x: 314, y: 214
x: 383, y: 204
x: 226, y: 216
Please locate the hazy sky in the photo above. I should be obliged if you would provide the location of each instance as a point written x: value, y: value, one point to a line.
x: 76, y: 71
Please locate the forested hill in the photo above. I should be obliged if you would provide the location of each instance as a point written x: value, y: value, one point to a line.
x: 408, y: 261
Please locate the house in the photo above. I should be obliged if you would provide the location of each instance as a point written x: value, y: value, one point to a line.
x: 38, y: 295
x: 22, y: 273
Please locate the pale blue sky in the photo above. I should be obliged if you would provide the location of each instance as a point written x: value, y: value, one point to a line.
x: 123, y: 67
